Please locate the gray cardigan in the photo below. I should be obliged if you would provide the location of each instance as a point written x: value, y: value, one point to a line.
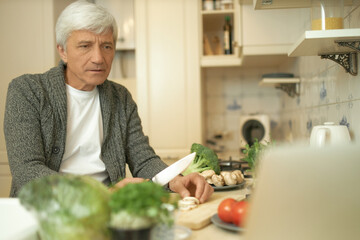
x: 35, y: 129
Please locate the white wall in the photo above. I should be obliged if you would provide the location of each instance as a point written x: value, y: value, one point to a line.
x: 328, y: 93
x: 233, y: 92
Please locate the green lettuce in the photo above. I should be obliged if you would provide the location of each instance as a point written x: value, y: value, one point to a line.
x: 68, y: 207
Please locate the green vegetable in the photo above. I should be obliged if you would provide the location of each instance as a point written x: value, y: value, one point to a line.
x: 140, y: 205
x: 68, y: 207
x: 253, y: 153
x: 205, y: 159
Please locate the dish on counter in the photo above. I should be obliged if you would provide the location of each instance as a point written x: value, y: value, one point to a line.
x: 228, y: 226
x: 228, y: 187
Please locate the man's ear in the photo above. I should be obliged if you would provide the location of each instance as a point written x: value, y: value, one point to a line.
x: 62, y: 53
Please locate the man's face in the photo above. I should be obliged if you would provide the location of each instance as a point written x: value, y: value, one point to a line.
x: 88, y: 57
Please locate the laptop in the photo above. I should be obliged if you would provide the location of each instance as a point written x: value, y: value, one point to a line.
x: 306, y: 193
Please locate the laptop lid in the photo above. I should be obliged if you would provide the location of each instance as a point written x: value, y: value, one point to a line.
x: 306, y: 193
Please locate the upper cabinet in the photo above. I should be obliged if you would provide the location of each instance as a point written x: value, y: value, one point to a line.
x: 268, y: 35
x: 277, y: 4
x: 218, y: 19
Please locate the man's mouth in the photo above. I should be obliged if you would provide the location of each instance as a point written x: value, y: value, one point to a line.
x: 97, y: 70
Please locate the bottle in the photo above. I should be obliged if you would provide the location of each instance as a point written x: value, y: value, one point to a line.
x: 227, y: 36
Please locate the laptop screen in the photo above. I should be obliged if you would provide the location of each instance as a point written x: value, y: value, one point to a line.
x: 306, y: 193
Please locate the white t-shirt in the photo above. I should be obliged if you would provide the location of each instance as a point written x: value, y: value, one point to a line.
x: 84, y: 135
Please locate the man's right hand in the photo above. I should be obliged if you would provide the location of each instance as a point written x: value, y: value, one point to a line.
x: 126, y: 181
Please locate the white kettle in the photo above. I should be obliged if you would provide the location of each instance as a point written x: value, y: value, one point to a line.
x: 329, y: 134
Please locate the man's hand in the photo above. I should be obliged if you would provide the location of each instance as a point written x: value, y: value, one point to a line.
x: 192, y: 185
x: 126, y: 181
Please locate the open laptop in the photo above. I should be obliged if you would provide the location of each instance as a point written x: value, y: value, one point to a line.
x: 306, y: 193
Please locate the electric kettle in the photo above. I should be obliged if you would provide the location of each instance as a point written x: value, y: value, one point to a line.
x: 329, y: 134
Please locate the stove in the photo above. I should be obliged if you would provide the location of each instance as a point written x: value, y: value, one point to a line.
x: 231, y: 165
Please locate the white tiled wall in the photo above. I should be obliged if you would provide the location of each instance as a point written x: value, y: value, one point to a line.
x: 232, y: 93
x: 328, y: 93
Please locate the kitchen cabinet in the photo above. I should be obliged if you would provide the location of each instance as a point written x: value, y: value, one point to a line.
x: 168, y: 74
x: 212, y: 36
x: 277, y: 4
x: 269, y: 33
x: 261, y: 38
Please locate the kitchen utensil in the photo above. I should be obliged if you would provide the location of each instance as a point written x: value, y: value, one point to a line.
x: 200, y: 216
x: 329, y: 134
x: 173, y: 170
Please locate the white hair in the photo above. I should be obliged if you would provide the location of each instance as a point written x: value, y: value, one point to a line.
x: 83, y: 15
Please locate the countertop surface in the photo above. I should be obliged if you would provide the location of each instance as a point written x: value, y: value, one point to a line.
x: 29, y: 227
x: 212, y: 231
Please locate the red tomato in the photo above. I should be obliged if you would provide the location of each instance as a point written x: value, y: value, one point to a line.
x: 224, y: 209
x: 238, y: 212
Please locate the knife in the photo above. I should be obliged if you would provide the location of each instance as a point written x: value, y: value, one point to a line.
x: 169, y: 173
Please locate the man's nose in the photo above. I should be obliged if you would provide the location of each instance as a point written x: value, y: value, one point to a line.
x: 97, y: 55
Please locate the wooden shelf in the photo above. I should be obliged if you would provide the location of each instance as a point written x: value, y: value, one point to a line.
x: 273, y: 82
x: 220, y: 61
x: 222, y: 12
x: 315, y: 43
x: 289, y: 85
x: 281, y: 4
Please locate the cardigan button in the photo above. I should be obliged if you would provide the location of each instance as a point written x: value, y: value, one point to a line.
x: 56, y: 150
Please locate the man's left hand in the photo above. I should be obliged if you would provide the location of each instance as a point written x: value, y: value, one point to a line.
x: 192, y: 185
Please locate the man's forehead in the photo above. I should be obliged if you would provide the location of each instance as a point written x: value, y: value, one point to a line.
x: 86, y: 35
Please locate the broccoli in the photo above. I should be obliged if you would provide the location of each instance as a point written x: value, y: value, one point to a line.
x: 205, y: 159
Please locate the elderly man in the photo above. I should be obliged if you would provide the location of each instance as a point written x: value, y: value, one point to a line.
x: 72, y: 120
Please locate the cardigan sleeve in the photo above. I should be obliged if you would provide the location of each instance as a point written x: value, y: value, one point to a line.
x: 23, y: 136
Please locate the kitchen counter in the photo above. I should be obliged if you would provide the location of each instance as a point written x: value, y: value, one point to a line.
x: 27, y: 225
x: 212, y: 231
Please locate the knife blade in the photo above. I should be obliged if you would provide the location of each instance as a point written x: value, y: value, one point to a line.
x: 169, y: 173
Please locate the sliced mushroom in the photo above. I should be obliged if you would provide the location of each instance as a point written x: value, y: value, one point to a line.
x: 218, y: 180
x: 188, y: 203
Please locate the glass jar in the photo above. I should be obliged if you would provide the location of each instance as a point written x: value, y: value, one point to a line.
x: 327, y: 14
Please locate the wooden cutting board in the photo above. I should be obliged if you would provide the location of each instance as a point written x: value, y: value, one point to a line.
x: 201, y: 216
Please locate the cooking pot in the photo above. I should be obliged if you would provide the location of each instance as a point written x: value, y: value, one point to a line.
x: 329, y: 134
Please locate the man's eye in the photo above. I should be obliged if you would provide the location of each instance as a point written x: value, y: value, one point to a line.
x: 108, y: 47
x: 84, y: 46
